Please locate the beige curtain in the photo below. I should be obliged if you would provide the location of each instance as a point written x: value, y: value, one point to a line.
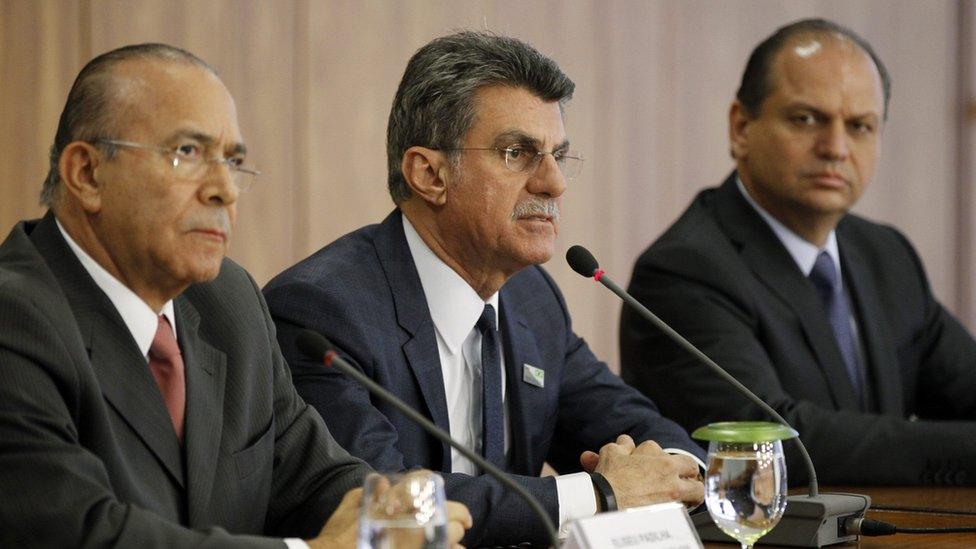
x: 314, y: 80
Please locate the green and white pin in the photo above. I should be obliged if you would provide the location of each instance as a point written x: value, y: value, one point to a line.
x: 533, y: 376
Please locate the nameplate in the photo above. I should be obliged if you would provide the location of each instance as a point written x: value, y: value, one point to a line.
x: 661, y: 526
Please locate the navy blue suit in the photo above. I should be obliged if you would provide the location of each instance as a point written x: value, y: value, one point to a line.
x: 363, y: 292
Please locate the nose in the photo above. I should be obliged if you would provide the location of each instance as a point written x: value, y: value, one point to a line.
x: 548, y: 179
x: 218, y: 186
x: 832, y: 144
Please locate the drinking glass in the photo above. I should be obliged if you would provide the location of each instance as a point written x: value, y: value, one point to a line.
x: 745, y: 484
x: 403, y: 511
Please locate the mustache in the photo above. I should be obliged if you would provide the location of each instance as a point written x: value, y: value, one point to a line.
x: 536, y: 206
x: 217, y: 220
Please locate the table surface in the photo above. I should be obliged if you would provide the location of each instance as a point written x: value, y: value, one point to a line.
x: 936, y: 498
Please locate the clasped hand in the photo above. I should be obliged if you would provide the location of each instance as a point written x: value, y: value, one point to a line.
x: 646, y: 474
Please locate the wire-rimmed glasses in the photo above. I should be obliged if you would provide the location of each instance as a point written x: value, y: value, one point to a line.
x: 194, y: 168
x: 526, y: 158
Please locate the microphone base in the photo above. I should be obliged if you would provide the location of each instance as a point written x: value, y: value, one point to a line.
x: 808, y: 521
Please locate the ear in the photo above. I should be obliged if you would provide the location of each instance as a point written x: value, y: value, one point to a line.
x: 426, y: 172
x: 739, y: 121
x: 77, y: 166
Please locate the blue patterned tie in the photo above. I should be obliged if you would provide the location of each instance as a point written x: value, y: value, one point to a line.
x: 492, y: 417
x: 824, y: 278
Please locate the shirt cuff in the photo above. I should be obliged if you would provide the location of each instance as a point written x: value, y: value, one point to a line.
x: 295, y: 543
x: 576, y: 499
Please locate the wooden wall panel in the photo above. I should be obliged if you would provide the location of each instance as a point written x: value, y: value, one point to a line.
x: 314, y: 80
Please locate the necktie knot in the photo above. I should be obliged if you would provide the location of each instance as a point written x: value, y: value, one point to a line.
x: 164, y: 346
x: 824, y: 275
x: 486, y: 323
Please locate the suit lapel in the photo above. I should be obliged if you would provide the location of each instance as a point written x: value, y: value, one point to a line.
x: 121, y: 369
x: 413, y: 316
x: 520, y: 348
x: 773, y: 265
x: 205, y: 370
x: 880, y: 357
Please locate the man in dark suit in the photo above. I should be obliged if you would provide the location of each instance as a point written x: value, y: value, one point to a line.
x: 209, y: 445
x: 444, y: 305
x: 827, y: 316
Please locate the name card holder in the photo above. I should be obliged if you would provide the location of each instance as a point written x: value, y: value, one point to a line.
x: 661, y: 526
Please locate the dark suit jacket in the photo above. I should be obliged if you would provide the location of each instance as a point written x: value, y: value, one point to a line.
x: 721, y: 277
x: 88, y: 456
x: 363, y: 292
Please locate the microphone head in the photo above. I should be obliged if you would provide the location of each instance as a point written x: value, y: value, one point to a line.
x: 312, y: 344
x: 581, y: 260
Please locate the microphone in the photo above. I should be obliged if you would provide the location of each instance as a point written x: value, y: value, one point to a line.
x: 314, y: 345
x: 813, y: 520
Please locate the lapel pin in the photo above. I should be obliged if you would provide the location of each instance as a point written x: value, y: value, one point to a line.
x: 533, y: 376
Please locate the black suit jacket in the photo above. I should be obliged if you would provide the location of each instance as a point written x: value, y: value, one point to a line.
x: 88, y: 456
x: 721, y: 277
x: 363, y: 292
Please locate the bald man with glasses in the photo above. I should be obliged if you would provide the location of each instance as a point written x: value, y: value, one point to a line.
x: 145, y: 402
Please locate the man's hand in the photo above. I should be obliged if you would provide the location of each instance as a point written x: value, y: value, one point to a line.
x: 645, y: 474
x: 342, y: 528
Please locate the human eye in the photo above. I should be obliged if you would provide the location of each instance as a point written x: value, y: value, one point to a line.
x: 804, y: 119
x: 188, y: 151
x: 861, y: 126
x: 517, y: 152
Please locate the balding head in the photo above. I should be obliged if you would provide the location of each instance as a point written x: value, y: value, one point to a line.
x: 94, y: 103
x: 758, y: 79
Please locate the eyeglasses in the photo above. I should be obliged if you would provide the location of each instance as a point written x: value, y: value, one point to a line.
x: 525, y: 158
x: 194, y: 168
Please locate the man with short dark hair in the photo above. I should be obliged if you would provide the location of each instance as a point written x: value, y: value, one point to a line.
x: 145, y: 402
x: 825, y: 315
x: 443, y: 304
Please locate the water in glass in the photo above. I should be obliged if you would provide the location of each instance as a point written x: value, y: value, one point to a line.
x: 745, y: 488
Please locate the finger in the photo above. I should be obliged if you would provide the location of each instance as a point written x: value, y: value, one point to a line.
x: 458, y: 512
x: 686, y: 467
x: 352, y: 497
x: 589, y: 461
x: 693, y: 492
x: 649, y: 447
x: 626, y: 441
x: 454, y: 532
x: 612, y: 448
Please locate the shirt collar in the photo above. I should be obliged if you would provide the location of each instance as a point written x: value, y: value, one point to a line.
x: 141, y: 320
x: 454, y: 305
x: 803, y: 253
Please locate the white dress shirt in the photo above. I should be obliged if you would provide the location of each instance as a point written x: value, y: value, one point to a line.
x: 138, y: 316
x: 455, y: 309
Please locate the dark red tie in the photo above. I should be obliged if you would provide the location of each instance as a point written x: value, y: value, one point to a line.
x: 166, y: 365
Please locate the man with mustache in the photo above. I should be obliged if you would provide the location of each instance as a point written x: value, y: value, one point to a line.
x: 443, y: 304
x: 825, y: 315
x: 145, y: 401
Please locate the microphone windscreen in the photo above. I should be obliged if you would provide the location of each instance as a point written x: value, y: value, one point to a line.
x: 581, y: 260
x: 312, y: 344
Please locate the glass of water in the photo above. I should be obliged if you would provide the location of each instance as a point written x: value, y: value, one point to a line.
x: 745, y: 484
x: 403, y: 511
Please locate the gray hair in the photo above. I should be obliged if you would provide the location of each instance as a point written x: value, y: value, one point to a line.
x: 90, y: 113
x: 434, y: 105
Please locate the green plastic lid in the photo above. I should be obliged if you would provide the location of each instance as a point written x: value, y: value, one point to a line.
x: 744, y: 431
